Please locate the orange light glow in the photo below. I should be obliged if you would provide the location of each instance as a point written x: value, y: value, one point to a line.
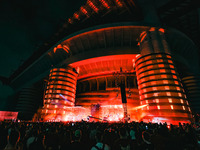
x: 59, y: 46
x: 161, y: 30
x: 64, y: 47
x: 166, y: 90
x: 76, y: 16
x: 170, y: 100
x: 58, y: 94
x: 154, y: 88
x: 152, y: 29
x: 189, y: 109
x: 139, y: 107
x: 157, y: 100
x: 137, y: 55
x: 152, y: 91
x: 91, y: 4
x: 70, y: 20
x: 54, y: 50
x: 142, y: 37
x: 161, y: 65
x: 119, y: 3
x: 105, y: 4
x: 142, y: 34
x: 84, y: 11
x: 166, y: 87
x: 168, y: 94
x: 8, y: 115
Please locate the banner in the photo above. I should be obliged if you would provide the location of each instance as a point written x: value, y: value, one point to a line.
x: 8, y: 115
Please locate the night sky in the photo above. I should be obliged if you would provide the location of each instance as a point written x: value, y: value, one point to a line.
x: 24, y: 26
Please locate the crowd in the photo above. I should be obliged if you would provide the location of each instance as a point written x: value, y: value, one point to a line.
x: 95, y: 136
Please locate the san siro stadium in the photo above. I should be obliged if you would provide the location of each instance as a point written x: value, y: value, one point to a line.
x: 114, y: 60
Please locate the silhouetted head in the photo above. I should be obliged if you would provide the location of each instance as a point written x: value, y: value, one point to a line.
x: 13, y: 137
x: 98, y: 136
x: 123, y: 132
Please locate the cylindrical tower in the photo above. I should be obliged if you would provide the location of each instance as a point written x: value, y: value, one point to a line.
x: 28, y: 102
x: 159, y: 85
x: 192, y: 89
x: 60, y: 91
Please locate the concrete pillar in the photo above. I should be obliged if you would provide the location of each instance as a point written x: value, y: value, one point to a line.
x: 28, y: 102
x: 191, y: 84
x: 60, y: 91
x: 159, y: 85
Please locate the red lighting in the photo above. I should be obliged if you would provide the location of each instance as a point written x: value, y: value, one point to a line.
x: 102, y: 70
x: 76, y: 16
x: 143, y: 35
x: 56, y: 90
x: 64, y: 47
x: 152, y: 29
x: 105, y: 4
x: 166, y: 90
x: 181, y: 101
x: 84, y: 11
x: 91, y: 4
x: 8, y: 115
x: 70, y: 20
x: 119, y: 3
x: 162, y: 30
x: 54, y: 50
x: 59, y: 46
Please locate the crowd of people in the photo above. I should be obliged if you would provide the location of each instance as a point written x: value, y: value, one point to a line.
x: 96, y: 136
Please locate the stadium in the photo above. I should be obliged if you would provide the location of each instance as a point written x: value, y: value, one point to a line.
x: 115, y: 60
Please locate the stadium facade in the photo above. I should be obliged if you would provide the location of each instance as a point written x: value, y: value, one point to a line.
x: 117, y: 61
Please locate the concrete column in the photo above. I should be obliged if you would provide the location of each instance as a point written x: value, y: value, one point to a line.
x: 159, y: 85
x: 28, y: 102
x: 60, y: 91
x: 191, y: 84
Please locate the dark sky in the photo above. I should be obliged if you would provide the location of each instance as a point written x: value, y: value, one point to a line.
x: 25, y: 24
